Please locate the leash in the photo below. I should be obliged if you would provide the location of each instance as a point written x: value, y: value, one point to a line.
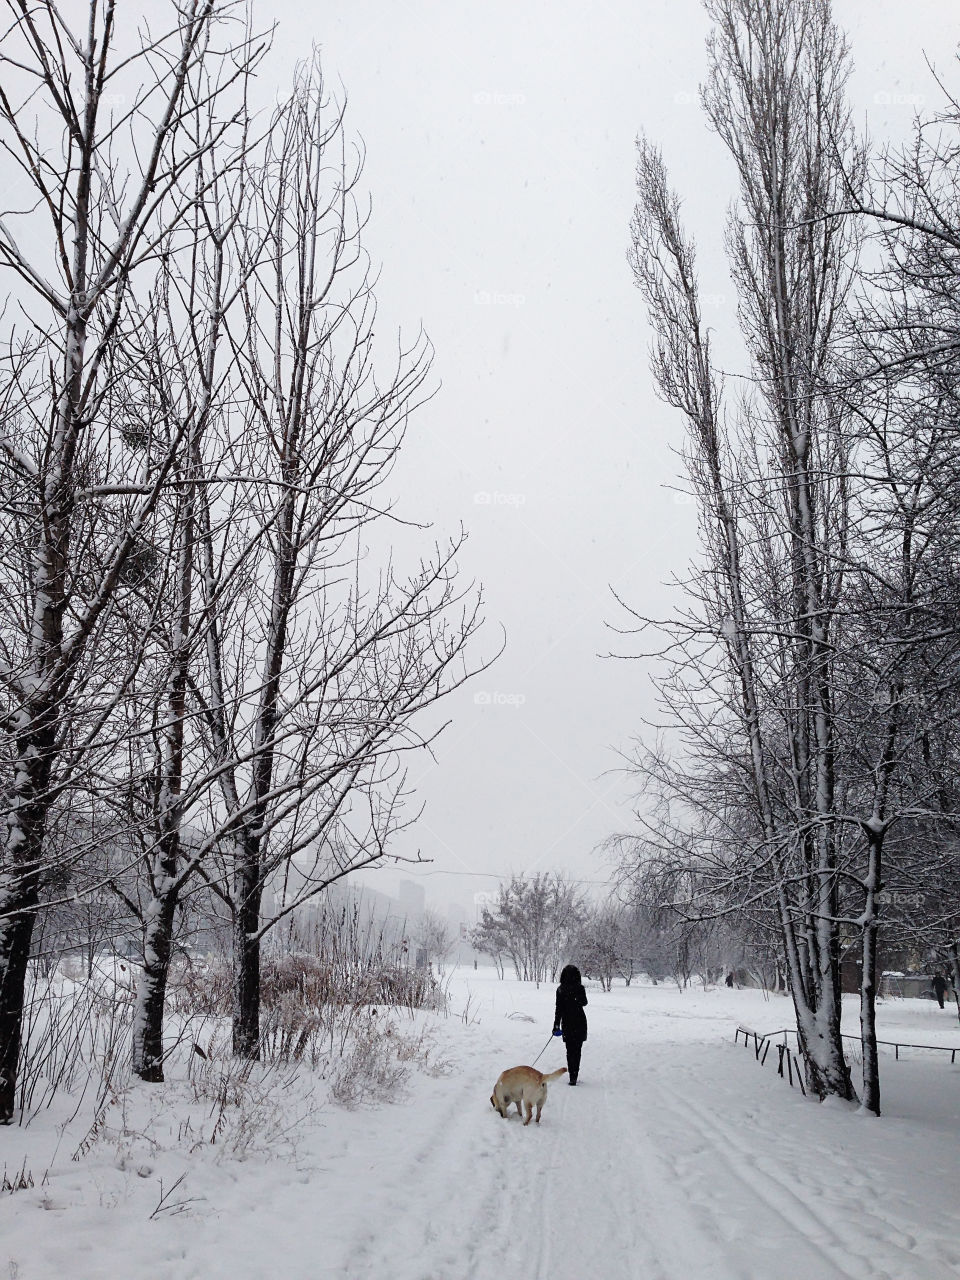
x: 542, y: 1051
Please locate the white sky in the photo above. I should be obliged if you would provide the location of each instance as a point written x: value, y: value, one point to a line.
x: 500, y: 161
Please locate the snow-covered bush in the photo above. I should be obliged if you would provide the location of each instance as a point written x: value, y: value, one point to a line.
x: 376, y: 1059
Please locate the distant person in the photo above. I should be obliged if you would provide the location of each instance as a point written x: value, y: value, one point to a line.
x: 939, y: 987
x: 569, y: 1019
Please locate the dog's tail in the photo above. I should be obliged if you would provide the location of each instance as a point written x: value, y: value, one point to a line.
x: 555, y: 1075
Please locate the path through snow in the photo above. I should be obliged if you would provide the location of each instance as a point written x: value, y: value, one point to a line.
x: 676, y: 1158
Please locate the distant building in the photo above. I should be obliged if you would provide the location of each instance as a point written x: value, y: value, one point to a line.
x: 413, y: 897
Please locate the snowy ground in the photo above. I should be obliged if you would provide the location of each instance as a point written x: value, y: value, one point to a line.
x: 676, y: 1157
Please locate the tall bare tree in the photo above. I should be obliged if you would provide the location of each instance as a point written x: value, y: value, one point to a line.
x: 186, y: 369
x: 92, y: 123
x: 774, y: 499
x: 317, y: 663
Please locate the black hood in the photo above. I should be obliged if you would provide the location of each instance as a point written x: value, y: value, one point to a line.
x: 570, y: 976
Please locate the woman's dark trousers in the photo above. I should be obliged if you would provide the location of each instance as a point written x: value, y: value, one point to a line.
x: 573, y: 1058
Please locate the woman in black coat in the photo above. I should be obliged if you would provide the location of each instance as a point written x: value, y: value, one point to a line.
x: 570, y: 1018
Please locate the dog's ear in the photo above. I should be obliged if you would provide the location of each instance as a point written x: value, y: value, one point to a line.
x: 493, y: 1102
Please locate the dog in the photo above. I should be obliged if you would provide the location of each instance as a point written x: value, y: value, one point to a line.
x: 522, y: 1085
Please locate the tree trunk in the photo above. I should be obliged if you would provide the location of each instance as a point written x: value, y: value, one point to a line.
x: 246, y: 962
x: 20, y: 871
x: 868, y: 976
x: 816, y: 1000
x: 158, y: 922
x: 152, y: 989
x: 868, y: 1019
x: 822, y: 1049
x: 15, y: 938
x: 955, y: 968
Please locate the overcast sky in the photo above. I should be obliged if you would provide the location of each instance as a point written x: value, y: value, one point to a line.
x: 499, y: 141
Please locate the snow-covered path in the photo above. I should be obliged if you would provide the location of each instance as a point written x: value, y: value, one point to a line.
x: 676, y: 1158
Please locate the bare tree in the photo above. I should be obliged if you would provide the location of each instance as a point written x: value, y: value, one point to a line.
x: 433, y: 938
x: 185, y: 371
x: 111, y: 181
x: 599, y: 944
x: 534, y: 922
x: 316, y: 665
x: 776, y: 519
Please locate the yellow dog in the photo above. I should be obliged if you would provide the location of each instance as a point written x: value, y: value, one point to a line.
x: 522, y: 1085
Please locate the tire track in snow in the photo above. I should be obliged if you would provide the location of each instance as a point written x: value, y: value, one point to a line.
x: 614, y: 1177
x: 848, y: 1243
x: 597, y: 1184
x: 481, y: 1225
x: 770, y: 1191
x: 667, y: 1239
x: 415, y: 1203
x: 838, y: 1219
x: 613, y: 1165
